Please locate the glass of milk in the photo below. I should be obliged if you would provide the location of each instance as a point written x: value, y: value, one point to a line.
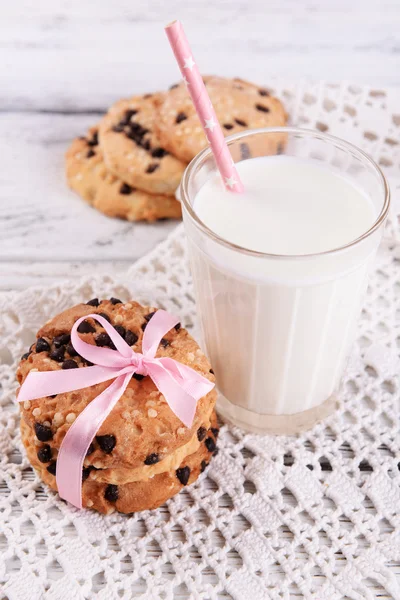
x: 280, y: 270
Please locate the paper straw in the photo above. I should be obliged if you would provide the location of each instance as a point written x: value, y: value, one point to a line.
x: 204, y: 108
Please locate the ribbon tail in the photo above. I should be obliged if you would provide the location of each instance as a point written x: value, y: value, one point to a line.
x: 182, y: 403
x: 39, y: 384
x: 79, y: 436
x: 190, y: 380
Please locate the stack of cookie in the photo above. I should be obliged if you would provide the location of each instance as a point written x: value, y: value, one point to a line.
x: 130, y: 164
x: 142, y: 454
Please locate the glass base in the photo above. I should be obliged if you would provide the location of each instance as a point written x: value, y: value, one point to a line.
x: 274, y: 424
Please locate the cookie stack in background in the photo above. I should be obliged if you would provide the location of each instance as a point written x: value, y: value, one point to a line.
x: 130, y: 164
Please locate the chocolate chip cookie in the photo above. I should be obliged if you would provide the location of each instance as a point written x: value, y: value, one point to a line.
x: 239, y: 105
x: 88, y: 176
x: 132, y: 150
x: 142, y: 454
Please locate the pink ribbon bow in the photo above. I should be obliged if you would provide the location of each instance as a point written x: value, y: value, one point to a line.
x: 181, y: 386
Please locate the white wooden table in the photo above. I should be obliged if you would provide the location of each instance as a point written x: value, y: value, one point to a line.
x: 64, y: 62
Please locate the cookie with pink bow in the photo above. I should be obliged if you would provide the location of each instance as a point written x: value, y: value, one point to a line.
x: 117, y: 406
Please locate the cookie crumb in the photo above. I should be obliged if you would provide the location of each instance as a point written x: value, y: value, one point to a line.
x: 151, y: 403
x: 27, y: 404
x: 36, y: 412
x: 190, y: 356
x: 125, y: 415
x: 98, y: 464
x: 89, y: 503
x: 70, y: 418
x: 181, y: 431
x: 118, y: 319
x: 152, y: 413
x: 46, y: 423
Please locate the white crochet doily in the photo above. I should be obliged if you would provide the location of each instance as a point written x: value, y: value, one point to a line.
x: 315, y: 516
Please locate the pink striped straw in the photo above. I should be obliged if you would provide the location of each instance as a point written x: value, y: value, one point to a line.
x: 204, y: 108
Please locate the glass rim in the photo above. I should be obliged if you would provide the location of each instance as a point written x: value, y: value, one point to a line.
x: 201, y: 157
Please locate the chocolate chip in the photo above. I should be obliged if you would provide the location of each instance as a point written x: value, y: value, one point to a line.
x: 44, y: 454
x: 138, y: 377
x: 119, y: 329
x: 136, y: 132
x: 115, y: 301
x: 210, y: 444
x: 240, y: 122
x: 201, y: 433
x: 125, y: 189
x: 90, y: 153
x: 215, y: 431
x: 148, y: 96
x: 86, y: 327
x: 183, y: 474
x: 86, y: 471
x: 244, y: 151
x: 69, y: 364
x: 43, y: 433
x: 279, y: 149
x: 127, y: 116
x: 263, y: 92
x: 103, y: 339
x: 158, y: 152
x: 106, y: 442
x: 228, y: 126
x: 177, y: 327
x: 42, y: 345
x: 262, y: 108
x: 152, y: 167
x: 118, y: 128
x: 143, y: 325
x: 61, y: 340
x: 216, y: 451
x: 180, y: 117
x: 111, y: 493
x: 95, y: 139
x: 212, y: 371
x: 106, y: 317
x: 26, y: 355
x: 173, y: 86
x: 71, y: 350
x: 57, y: 354
x: 151, y: 459
x: 131, y: 338
x: 52, y: 468
x: 145, y: 145
x: 53, y: 396
x: 203, y: 466
x: 93, y: 302
x: 150, y: 315
x: 90, y: 450
x: 164, y: 343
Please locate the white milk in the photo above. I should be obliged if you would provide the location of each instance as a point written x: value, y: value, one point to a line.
x: 278, y: 330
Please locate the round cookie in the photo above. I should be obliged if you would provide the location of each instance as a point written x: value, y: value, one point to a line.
x: 88, y: 176
x: 142, y: 454
x: 141, y: 424
x: 136, y: 496
x: 239, y: 105
x: 132, y: 149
